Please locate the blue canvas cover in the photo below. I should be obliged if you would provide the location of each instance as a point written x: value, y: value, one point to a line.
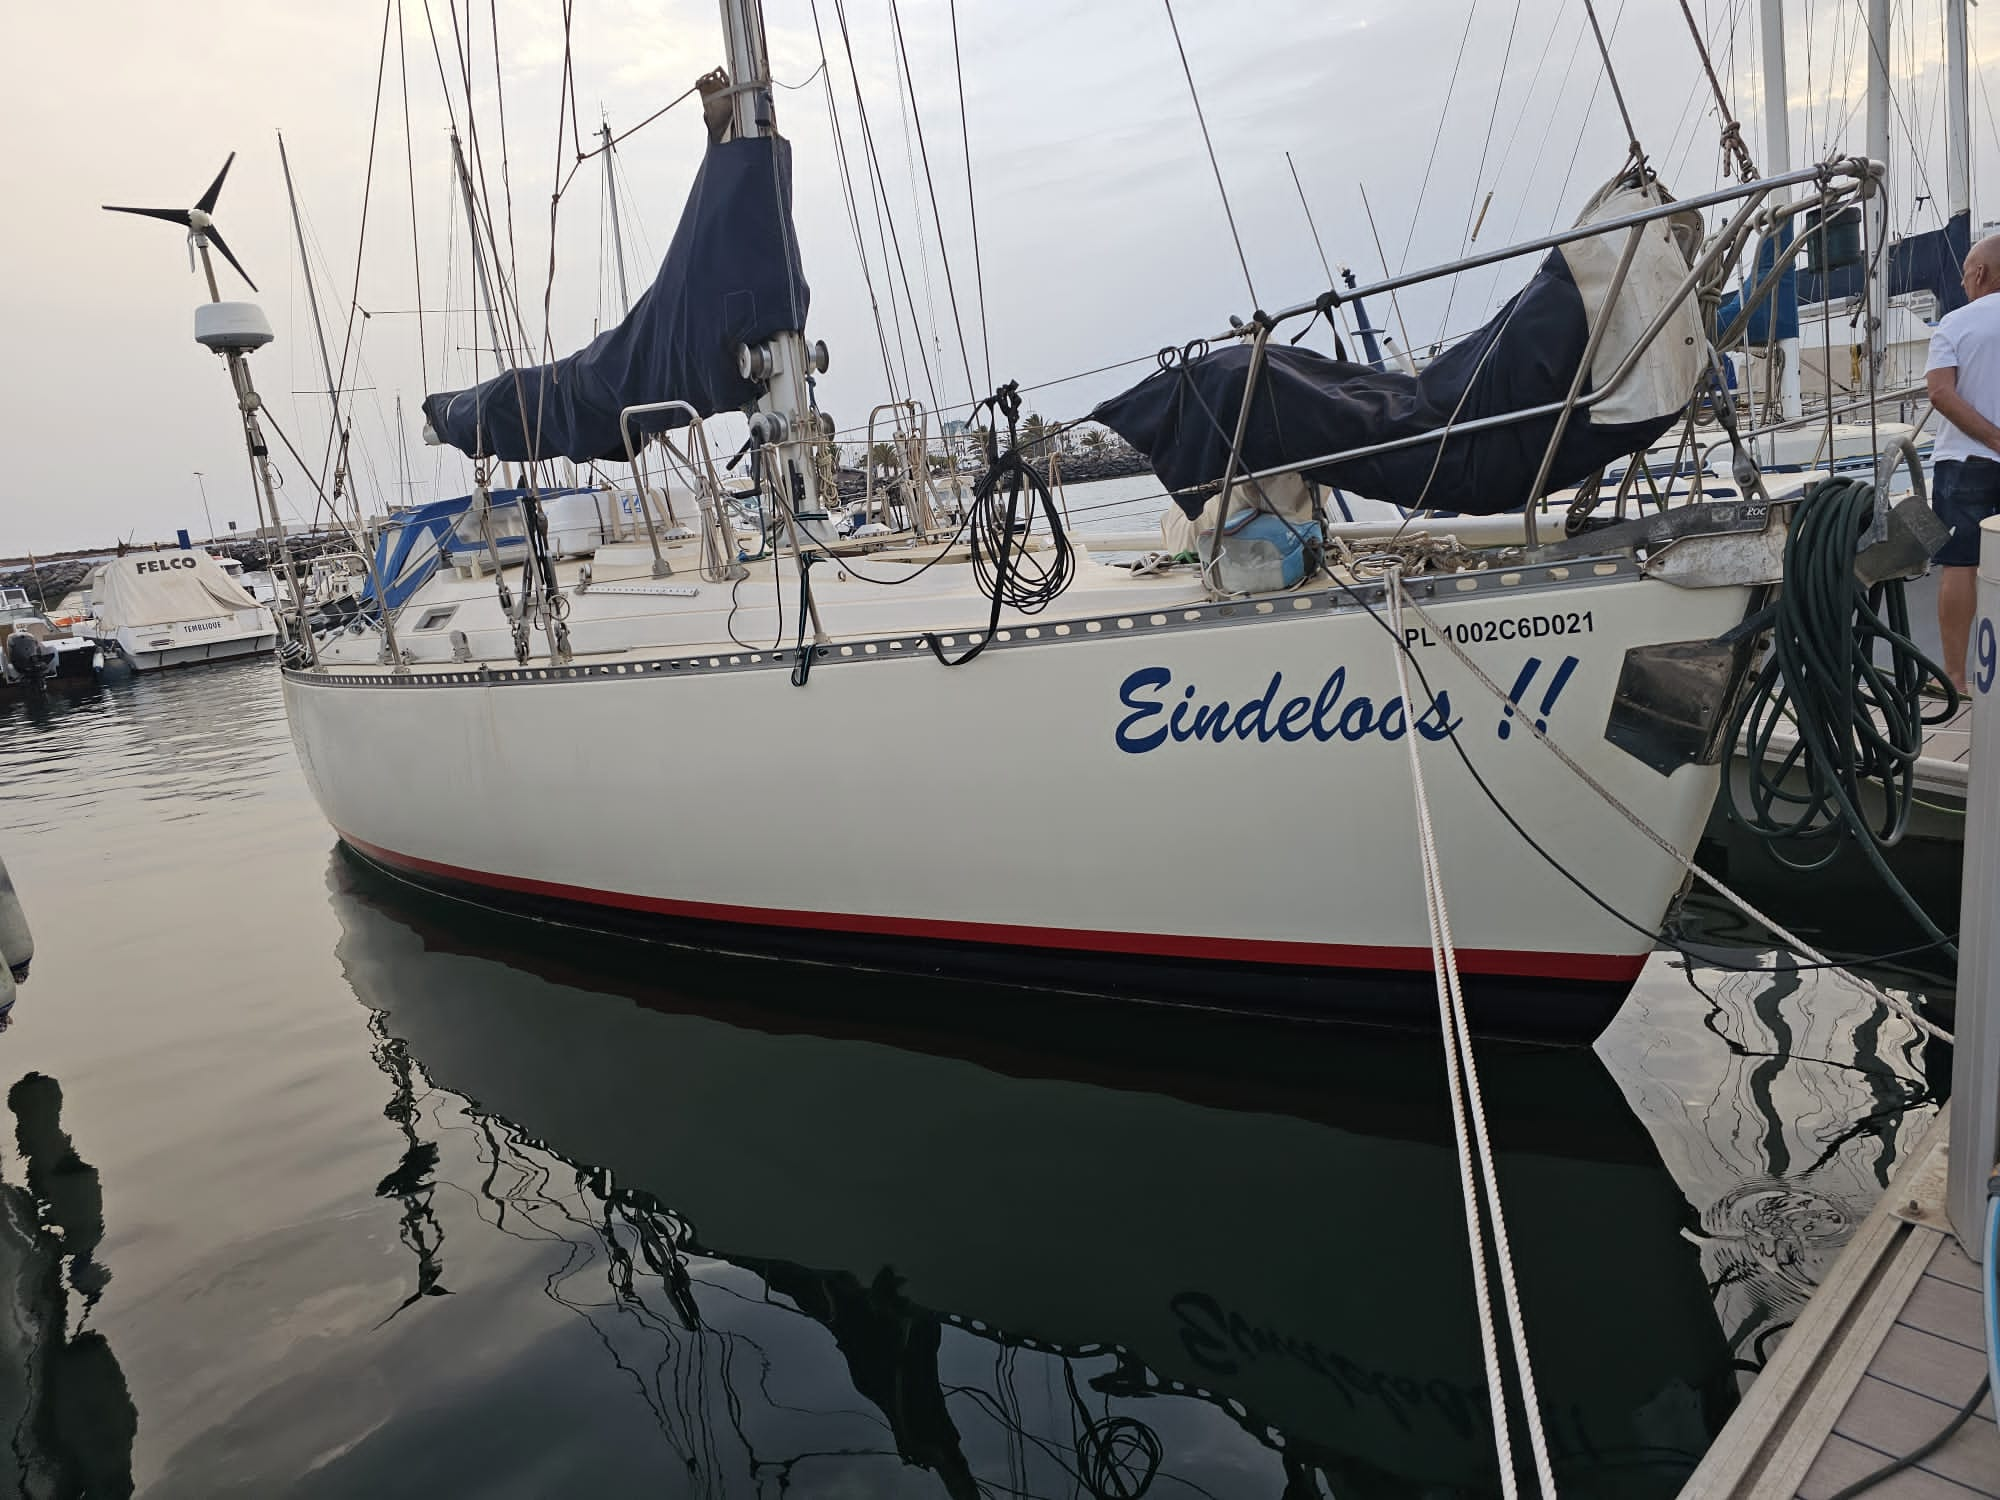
x: 409, y: 548
x: 1784, y: 298
x: 1929, y: 262
x: 731, y: 276
x: 406, y: 551
x: 1307, y: 404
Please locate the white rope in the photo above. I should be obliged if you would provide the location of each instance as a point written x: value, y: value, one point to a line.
x: 1462, y: 1074
x: 1398, y: 594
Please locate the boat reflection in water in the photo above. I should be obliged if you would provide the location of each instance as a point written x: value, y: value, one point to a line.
x: 1055, y: 1251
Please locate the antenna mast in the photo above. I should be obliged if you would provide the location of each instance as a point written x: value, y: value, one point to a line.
x: 233, y: 329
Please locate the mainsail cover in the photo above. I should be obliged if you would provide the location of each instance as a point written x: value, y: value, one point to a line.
x: 731, y: 276
x: 1526, y: 356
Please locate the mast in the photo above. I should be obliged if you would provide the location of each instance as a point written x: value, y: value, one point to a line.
x: 617, y: 229
x: 1777, y: 162
x: 479, y: 275
x: 1957, y: 115
x: 1877, y: 207
x: 305, y: 266
x: 402, y: 450
x: 483, y: 289
x: 784, y: 412
x: 319, y: 331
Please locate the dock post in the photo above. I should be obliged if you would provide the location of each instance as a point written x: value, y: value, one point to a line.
x: 1975, y: 1063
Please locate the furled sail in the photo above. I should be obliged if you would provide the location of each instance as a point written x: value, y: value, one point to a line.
x: 731, y: 276
x: 1526, y: 356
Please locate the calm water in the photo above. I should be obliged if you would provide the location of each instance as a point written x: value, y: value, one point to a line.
x: 372, y: 1194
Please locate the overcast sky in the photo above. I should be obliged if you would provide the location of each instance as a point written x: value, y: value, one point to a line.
x: 1101, y: 229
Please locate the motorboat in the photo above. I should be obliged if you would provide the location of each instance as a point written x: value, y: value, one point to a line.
x: 37, y: 654
x: 175, y: 608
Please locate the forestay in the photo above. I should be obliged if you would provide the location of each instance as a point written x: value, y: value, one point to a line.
x: 731, y: 276
x: 1527, y: 356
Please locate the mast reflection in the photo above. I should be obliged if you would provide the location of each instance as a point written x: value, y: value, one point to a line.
x: 826, y: 1236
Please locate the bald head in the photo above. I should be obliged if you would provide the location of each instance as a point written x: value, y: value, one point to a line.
x: 1982, y: 268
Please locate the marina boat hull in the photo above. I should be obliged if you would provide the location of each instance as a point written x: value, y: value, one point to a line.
x: 1210, y: 804
x: 153, y: 658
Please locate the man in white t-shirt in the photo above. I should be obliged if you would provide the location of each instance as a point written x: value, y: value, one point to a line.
x: 1963, y: 378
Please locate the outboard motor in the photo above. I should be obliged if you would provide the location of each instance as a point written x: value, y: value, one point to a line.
x: 28, y: 657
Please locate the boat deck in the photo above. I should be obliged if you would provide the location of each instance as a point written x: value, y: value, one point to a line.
x: 1883, y: 1357
x: 1950, y: 744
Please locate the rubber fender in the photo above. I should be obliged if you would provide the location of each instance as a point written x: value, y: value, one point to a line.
x: 17, y: 943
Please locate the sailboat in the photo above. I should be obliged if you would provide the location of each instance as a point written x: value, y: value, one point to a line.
x: 1192, y: 784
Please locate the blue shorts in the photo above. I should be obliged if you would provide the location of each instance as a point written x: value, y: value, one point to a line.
x: 1964, y: 492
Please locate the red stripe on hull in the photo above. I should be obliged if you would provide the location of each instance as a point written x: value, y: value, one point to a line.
x: 1514, y: 963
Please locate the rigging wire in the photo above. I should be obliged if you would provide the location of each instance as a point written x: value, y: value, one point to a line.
x: 883, y: 214
x: 899, y: 64
x: 1733, y: 147
x: 410, y: 170
x: 1596, y: 85
x: 625, y: 135
x: 1437, y: 136
x: 944, y: 254
x: 1485, y: 146
x: 1541, y: 147
x: 1201, y: 119
x: 971, y: 200
x: 500, y: 108
x: 1611, y: 77
x: 361, y: 239
x: 854, y: 223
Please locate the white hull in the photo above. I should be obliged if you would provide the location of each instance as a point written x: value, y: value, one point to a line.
x: 1040, y: 802
x: 152, y: 647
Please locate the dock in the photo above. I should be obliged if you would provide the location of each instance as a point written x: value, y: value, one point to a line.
x: 1885, y: 1354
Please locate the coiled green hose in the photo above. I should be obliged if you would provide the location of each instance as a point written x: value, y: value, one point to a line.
x: 1858, y: 720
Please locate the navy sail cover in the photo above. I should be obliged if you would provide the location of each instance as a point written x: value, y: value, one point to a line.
x: 1932, y: 261
x: 732, y: 276
x: 1308, y: 404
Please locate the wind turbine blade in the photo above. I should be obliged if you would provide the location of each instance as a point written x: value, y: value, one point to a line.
x: 207, y: 201
x: 171, y: 215
x: 217, y: 240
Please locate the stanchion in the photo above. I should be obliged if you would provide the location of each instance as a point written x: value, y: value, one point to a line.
x: 1975, y: 1064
